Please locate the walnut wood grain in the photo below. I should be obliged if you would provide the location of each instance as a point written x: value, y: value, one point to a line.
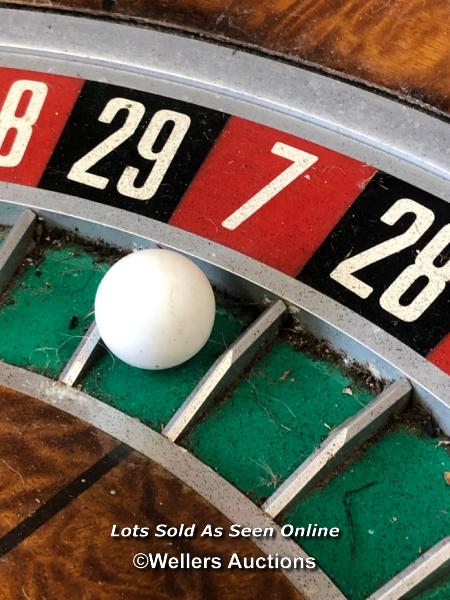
x: 73, y: 556
x: 42, y: 449
x: 400, y: 45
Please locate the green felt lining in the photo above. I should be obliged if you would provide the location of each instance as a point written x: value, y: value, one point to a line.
x: 154, y: 396
x: 440, y: 590
x: 403, y: 511
x: 274, y: 419
x: 48, y: 308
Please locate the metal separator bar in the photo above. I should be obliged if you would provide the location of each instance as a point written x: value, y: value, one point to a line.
x: 313, y: 584
x: 81, y: 358
x: 244, y: 277
x: 430, y: 567
x: 352, y: 433
x: 226, y: 368
x: 18, y: 243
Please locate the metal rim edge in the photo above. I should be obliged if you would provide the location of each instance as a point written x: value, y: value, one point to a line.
x: 396, y: 138
x: 314, y: 584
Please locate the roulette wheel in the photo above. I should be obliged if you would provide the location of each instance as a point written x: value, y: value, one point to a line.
x: 299, y: 153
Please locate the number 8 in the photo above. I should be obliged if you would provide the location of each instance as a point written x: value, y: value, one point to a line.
x: 23, y: 124
x: 423, y: 267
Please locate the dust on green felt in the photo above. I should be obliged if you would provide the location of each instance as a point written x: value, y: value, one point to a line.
x: 403, y: 511
x: 48, y: 308
x: 154, y: 396
x: 274, y: 419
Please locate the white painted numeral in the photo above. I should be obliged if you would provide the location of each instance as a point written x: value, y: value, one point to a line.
x: 80, y: 170
x: 301, y: 162
x: 423, y: 267
x: 162, y: 158
x: 343, y: 273
x: 23, y: 124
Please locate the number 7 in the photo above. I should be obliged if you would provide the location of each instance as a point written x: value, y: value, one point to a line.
x: 301, y: 162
